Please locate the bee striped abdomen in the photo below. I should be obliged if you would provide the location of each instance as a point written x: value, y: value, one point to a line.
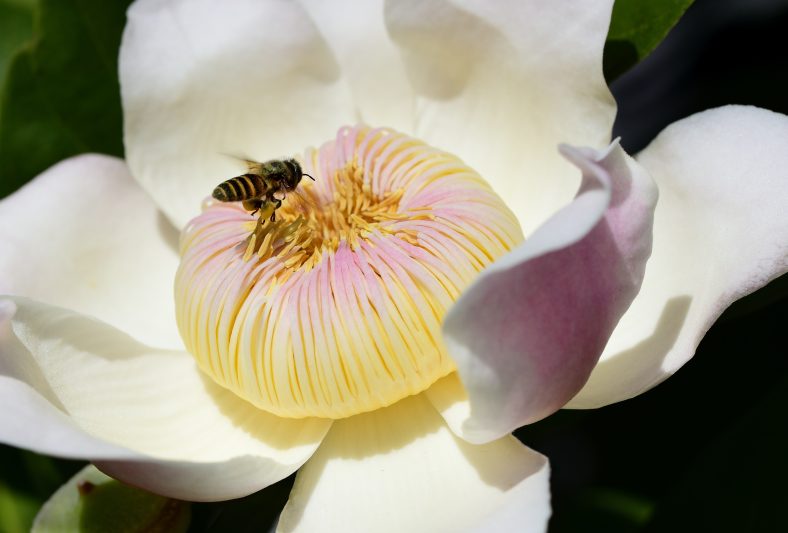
x: 240, y: 188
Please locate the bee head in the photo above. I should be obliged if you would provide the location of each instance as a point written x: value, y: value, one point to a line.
x: 294, y: 175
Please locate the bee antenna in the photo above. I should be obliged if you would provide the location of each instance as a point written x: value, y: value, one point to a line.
x: 308, y: 176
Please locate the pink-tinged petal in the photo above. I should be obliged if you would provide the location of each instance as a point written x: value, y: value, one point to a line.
x: 75, y: 387
x: 502, y: 83
x: 527, y: 333
x: 202, y: 79
x: 401, y: 469
x: 720, y: 232
x: 83, y: 235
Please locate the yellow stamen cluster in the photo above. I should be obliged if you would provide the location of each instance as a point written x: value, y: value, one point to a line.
x: 306, y: 226
x: 336, y: 307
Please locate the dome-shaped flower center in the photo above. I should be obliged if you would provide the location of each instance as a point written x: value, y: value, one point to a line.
x: 335, y: 308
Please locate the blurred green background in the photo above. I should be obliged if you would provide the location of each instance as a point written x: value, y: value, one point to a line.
x: 705, y: 451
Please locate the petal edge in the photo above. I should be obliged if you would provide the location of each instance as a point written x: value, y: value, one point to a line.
x: 142, y: 415
x: 401, y: 469
x: 527, y: 333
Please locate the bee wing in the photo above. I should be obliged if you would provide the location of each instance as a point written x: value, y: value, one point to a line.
x: 306, y: 200
x: 252, y: 166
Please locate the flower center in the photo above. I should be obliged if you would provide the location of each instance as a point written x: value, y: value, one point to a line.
x: 316, y: 220
x: 335, y: 307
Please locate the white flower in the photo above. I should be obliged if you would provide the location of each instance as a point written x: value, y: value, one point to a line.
x: 87, y: 255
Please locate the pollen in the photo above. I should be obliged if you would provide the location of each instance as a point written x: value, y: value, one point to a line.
x: 335, y: 307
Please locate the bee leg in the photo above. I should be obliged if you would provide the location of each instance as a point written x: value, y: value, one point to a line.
x: 277, y: 205
x: 254, y: 205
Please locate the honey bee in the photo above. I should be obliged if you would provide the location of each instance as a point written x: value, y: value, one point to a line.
x: 264, y: 185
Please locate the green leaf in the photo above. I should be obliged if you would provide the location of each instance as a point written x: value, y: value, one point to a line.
x: 93, y: 502
x: 27, y: 479
x: 17, y: 509
x: 16, y: 28
x: 636, y: 28
x: 61, y: 95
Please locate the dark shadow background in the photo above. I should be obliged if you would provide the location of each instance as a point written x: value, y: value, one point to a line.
x: 708, y: 449
x: 721, y: 52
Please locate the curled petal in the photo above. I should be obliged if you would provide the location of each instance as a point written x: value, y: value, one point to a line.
x: 401, y: 469
x: 527, y: 333
x: 201, y: 80
x: 720, y: 232
x: 502, y: 83
x: 73, y: 386
x: 84, y: 235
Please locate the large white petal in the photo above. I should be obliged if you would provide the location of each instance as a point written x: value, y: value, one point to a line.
x: 200, y: 79
x: 501, y: 84
x: 720, y: 232
x: 401, y: 469
x: 369, y: 60
x: 83, y: 235
x: 73, y: 386
x: 529, y: 330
